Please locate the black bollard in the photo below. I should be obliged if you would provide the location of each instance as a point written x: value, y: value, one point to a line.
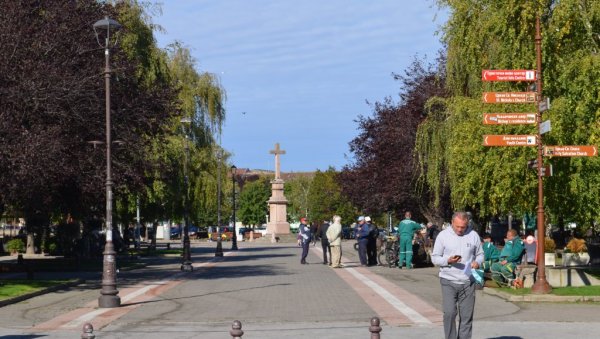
x: 88, y: 330
x: 375, y: 328
x: 236, y: 330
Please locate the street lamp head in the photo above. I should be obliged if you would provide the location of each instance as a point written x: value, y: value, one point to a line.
x: 103, y: 30
x: 233, y: 171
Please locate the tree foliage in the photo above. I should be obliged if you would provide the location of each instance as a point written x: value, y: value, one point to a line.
x: 483, y: 34
x: 383, y: 176
x: 52, y: 99
x: 253, y: 202
x: 325, y: 198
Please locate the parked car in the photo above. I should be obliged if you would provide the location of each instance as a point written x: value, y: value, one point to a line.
x: 347, y: 233
x: 175, y: 232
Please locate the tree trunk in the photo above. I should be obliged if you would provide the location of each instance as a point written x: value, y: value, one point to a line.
x: 30, y: 243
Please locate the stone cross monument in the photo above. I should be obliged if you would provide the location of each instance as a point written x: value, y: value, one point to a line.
x: 278, y: 224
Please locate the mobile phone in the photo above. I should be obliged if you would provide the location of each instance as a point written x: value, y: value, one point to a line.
x: 458, y: 256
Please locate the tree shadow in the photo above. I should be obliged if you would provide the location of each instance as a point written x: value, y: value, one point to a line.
x: 23, y: 336
x: 257, y: 257
x: 234, y: 272
x: 506, y: 337
x: 202, y: 295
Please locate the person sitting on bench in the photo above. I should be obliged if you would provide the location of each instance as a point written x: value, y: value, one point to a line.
x: 503, y: 272
x: 490, y: 253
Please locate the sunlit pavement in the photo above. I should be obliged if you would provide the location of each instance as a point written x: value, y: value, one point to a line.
x: 265, y: 287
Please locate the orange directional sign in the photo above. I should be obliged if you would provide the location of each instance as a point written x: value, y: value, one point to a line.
x: 509, y: 140
x: 508, y: 97
x: 507, y: 75
x: 508, y: 118
x: 570, y: 151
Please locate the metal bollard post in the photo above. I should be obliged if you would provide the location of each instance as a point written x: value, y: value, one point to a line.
x: 375, y: 328
x: 236, y: 330
x: 88, y: 330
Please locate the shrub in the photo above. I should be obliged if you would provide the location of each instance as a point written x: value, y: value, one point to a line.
x: 15, y: 246
x: 549, y: 245
x: 576, y: 245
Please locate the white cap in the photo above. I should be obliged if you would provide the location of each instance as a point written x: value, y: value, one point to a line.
x: 367, y: 219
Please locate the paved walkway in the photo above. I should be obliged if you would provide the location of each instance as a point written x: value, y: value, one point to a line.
x: 274, y: 296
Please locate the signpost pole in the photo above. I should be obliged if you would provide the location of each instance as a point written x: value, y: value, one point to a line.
x: 541, y: 285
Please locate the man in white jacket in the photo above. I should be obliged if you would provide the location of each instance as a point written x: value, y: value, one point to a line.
x: 334, y: 235
x: 457, y: 251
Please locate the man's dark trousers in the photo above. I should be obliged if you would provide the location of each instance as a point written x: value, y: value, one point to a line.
x: 305, y: 246
x: 326, y: 248
x: 372, y: 251
x: 362, y: 251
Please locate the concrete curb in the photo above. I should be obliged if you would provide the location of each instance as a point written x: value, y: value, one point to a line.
x: 20, y: 298
x: 540, y: 297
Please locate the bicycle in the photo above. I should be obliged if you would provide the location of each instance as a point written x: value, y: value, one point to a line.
x: 389, y: 252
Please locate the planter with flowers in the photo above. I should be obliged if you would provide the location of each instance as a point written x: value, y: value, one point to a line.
x: 575, y: 253
x: 549, y: 252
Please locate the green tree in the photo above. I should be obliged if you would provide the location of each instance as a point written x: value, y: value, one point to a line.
x: 296, y: 193
x: 483, y: 34
x: 325, y: 198
x: 253, y: 202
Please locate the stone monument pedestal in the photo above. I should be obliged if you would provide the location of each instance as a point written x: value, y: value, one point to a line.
x: 278, y: 224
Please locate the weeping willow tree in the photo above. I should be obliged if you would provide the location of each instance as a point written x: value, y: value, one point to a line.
x: 432, y: 159
x: 200, y: 116
x: 486, y: 34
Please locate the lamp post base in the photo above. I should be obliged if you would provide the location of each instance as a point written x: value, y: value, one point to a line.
x: 234, y: 246
x: 187, y: 267
x: 541, y: 286
x: 109, y: 301
x: 219, y: 250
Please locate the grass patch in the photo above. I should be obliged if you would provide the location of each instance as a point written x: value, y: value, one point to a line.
x: 15, y: 288
x: 569, y: 291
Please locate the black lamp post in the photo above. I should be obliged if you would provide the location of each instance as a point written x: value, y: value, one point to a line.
x: 234, y: 246
x: 109, y: 294
x: 219, y: 249
x: 186, y: 264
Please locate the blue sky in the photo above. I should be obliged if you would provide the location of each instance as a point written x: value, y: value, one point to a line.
x: 299, y: 72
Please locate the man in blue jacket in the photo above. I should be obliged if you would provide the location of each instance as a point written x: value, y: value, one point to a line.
x: 304, y: 238
x: 362, y: 236
x: 457, y: 251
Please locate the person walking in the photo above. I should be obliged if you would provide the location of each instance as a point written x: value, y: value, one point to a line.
x: 324, y: 242
x: 304, y: 239
x: 371, y: 242
x: 362, y: 237
x: 457, y: 251
x: 407, y: 229
x: 334, y: 236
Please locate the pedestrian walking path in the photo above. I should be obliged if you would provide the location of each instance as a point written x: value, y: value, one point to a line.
x: 274, y: 296
x: 393, y: 304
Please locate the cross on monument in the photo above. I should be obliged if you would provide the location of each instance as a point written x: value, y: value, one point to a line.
x: 277, y: 151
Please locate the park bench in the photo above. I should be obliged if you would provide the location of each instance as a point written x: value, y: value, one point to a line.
x: 255, y: 235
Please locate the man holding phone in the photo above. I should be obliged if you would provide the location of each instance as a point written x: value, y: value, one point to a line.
x: 457, y: 250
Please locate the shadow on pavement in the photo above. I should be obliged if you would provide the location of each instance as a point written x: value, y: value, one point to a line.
x: 22, y: 336
x: 257, y: 257
x: 234, y: 272
x: 203, y: 295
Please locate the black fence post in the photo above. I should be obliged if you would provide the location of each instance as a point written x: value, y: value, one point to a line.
x: 375, y: 328
x: 236, y: 330
x: 88, y: 330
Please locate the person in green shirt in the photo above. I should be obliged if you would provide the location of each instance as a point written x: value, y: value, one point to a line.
x: 490, y: 252
x: 407, y: 229
x: 503, y: 272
